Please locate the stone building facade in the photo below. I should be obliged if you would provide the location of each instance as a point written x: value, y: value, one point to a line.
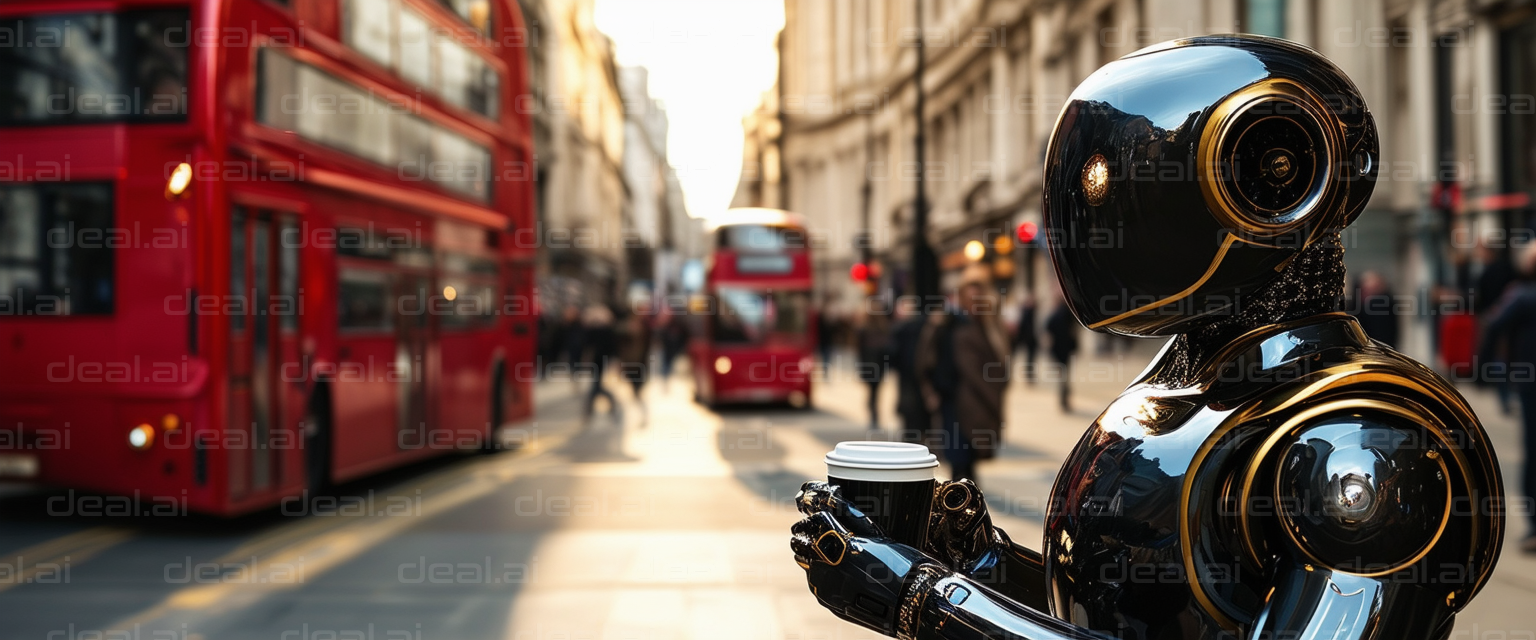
x: 584, y: 201
x: 1449, y: 81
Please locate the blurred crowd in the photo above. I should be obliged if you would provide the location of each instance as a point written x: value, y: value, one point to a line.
x: 953, y: 367
x: 583, y: 342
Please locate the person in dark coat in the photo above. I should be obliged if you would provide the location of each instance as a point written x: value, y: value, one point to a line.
x: 573, y: 342
x: 551, y: 336
x: 1513, y: 327
x: 1496, y: 277
x: 874, y: 339
x: 1061, y: 326
x: 963, y: 365
x: 635, y: 351
x: 915, y: 417
x: 1026, y: 336
x: 825, y: 340
x: 602, y: 347
x: 674, y: 338
x: 1373, y: 307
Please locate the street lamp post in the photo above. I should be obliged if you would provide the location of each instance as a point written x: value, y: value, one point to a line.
x: 925, y: 265
x: 867, y: 192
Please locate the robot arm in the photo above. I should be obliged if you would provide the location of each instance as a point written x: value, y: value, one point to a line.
x: 897, y: 590
x: 1323, y: 603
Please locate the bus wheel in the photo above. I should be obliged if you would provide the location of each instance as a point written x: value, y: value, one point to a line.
x: 317, y: 451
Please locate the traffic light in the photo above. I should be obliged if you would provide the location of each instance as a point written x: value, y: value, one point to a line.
x: 1027, y: 232
x: 859, y: 272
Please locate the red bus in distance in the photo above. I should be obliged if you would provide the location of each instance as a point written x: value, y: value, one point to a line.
x: 755, y: 337
x: 250, y: 248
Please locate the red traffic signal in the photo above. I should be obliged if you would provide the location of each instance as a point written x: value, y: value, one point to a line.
x: 859, y: 272
x: 1027, y: 232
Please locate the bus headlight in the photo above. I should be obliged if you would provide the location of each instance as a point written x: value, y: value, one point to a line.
x: 141, y: 437
x: 722, y: 365
x: 181, y: 178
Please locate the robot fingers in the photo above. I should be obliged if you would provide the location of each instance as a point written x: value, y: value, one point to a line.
x: 816, y: 496
x: 819, y: 538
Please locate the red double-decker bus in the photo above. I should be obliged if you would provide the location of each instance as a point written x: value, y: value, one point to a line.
x: 756, y: 336
x: 249, y: 248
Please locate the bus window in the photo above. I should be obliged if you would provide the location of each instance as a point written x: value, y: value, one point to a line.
x: 56, y: 249
x: 109, y: 67
x: 757, y: 238
x: 364, y: 301
x: 752, y: 317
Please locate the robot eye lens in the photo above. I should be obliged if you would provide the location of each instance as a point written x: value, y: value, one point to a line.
x: 1096, y: 180
x: 1273, y: 162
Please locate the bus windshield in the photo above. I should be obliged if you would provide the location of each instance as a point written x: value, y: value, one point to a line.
x: 94, y: 67
x: 758, y: 238
x: 747, y: 316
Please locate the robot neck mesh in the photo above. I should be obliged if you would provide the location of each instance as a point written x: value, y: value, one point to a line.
x: 1311, y: 284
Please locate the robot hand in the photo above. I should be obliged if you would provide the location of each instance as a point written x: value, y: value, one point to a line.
x: 853, y: 570
x: 960, y: 530
x: 961, y: 533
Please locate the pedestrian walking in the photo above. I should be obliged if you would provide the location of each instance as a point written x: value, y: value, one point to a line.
x: 1062, y: 327
x: 1512, y: 327
x: 916, y: 420
x: 574, y: 342
x: 1026, y: 336
x: 824, y: 339
x: 635, y: 352
x: 1496, y: 276
x: 674, y: 339
x: 1373, y: 307
x: 963, y: 366
x: 873, y: 343
x: 549, y: 340
x: 597, y: 327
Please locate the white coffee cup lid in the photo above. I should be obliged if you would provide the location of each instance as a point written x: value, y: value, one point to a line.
x: 879, y: 461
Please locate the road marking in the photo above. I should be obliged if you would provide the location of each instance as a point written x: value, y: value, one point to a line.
x: 66, y: 552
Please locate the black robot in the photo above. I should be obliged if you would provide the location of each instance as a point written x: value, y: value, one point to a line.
x: 1274, y: 474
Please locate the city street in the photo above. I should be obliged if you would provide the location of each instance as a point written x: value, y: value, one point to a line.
x: 673, y: 524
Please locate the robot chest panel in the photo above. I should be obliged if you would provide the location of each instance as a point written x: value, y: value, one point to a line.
x: 1113, y: 539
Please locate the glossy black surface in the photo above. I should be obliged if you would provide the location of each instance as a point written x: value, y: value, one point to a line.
x: 1274, y: 473
x: 1155, y: 238
x: 1152, y: 533
x: 1364, y: 491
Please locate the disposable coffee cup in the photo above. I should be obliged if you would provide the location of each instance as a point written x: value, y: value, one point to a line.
x: 891, y: 482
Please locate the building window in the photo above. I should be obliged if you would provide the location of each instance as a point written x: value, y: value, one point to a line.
x: 1264, y: 17
x: 1519, y: 137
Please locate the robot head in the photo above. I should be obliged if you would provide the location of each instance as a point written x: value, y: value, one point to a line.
x: 1183, y: 178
